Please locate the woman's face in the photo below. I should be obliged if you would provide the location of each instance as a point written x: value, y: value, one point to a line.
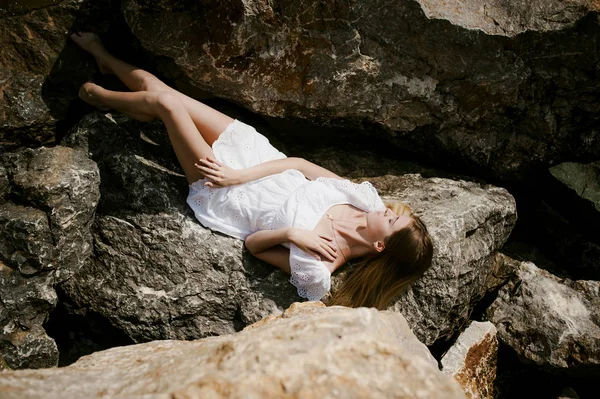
x: 383, y: 224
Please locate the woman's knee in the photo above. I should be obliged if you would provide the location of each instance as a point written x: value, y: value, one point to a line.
x: 165, y: 101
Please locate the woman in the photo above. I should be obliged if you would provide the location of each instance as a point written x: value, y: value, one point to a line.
x: 240, y: 185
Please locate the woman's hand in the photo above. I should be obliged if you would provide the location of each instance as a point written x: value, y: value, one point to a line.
x: 313, y: 243
x: 220, y: 174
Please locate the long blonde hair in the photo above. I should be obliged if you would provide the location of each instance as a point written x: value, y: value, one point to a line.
x: 379, y: 278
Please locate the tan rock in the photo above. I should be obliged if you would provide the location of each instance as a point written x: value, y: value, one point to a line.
x: 472, y: 360
x: 310, y: 351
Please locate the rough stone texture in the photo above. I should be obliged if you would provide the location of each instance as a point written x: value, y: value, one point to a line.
x: 39, y: 73
x: 44, y: 238
x: 551, y: 322
x: 505, y: 103
x: 507, y: 18
x: 472, y: 360
x: 308, y: 352
x: 3, y: 184
x: 158, y: 274
x: 584, y: 179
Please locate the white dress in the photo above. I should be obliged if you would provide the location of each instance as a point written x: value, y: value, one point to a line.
x: 285, y: 199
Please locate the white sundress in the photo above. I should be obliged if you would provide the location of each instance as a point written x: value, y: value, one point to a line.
x: 281, y: 200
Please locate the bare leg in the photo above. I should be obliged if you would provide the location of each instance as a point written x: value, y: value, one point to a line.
x: 208, y: 121
x: 188, y: 143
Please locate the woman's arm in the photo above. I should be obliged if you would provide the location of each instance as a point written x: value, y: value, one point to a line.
x: 278, y: 256
x: 307, y: 240
x: 271, y: 168
x: 222, y: 175
x: 264, y: 239
x: 313, y: 171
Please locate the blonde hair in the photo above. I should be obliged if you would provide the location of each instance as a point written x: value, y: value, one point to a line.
x: 377, y: 279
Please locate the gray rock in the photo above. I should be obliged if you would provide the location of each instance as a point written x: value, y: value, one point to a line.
x: 500, y: 86
x: 472, y: 360
x: 157, y: 273
x: 551, y: 322
x: 308, y: 351
x: 584, y: 179
x: 4, y: 185
x: 498, y: 17
x: 44, y: 239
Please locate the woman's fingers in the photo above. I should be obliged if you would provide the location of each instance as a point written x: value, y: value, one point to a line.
x: 214, y: 161
x: 327, y: 252
x: 209, y: 164
x: 209, y: 172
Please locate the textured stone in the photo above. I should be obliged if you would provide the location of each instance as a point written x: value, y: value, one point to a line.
x: 44, y: 239
x: 472, y: 360
x: 158, y: 274
x: 549, y: 321
x: 499, y: 17
x: 584, y: 179
x: 504, y: 87
x: 39, y: 74
x: 310, y: 351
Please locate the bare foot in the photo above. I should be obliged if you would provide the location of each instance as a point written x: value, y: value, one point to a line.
x: 91, y: 43
x: 88, y: 92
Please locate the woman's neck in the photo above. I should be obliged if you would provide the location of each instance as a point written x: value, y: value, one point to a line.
x: 350, y: 234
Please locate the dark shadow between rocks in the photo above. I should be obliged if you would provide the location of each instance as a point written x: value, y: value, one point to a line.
x: 79, y: 333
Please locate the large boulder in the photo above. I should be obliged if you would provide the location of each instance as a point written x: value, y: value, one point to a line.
x: 157, y: 273
x: 308, y: 351
x: 501, y: 86
x: 550, y: 321
x: 50, y: 196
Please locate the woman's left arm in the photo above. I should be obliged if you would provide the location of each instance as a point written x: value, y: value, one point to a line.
x: 223, y: 176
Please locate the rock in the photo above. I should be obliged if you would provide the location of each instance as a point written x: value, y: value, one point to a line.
x: 157, y: 273
x: 40, y: 72
x: 568, y: 393
x: 4, y: 185
x: 308, y: 351
x: 497, y: 17
x: 549, y: 321
x: 584, y: 179
x: 472, y: 360
x: 44, y: 239
x: 503, y: 88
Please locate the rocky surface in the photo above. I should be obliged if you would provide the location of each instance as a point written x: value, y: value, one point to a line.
x: 158, y: 274
x: 41, y: 70
x: 583, y: 179
x: 499, y: 17
x: 549, y: 321
x: 504, y: 87
x: 308, y: 351
x: 472, y: 360
x: 50, y: 198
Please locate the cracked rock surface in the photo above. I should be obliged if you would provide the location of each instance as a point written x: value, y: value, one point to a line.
x: 48, y: 202
x: 341, y: 351
x: 550, y: 321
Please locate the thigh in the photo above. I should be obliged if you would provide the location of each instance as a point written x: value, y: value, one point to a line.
x: 209, y: 122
